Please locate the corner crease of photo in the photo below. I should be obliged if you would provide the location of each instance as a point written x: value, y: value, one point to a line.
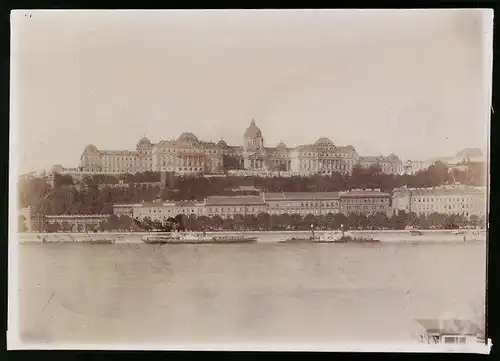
x: 289, y: 180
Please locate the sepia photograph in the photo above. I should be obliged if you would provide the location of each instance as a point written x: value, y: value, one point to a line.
x: 249, y: 180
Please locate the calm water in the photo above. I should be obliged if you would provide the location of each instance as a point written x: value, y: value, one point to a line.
x: 256, y: 293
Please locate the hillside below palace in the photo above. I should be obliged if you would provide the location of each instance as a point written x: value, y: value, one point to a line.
x: 189, y: 155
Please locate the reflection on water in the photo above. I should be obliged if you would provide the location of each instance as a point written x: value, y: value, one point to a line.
x: 137, y: 293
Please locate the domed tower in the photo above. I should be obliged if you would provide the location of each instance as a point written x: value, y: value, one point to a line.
x: 188, y: 138
x: 252, y: 139
x: 90, y: 158
x: 144, y: 143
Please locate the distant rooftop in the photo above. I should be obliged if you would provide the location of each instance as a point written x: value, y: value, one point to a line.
x: 444, y: 190
x: 470, y: 152
x: 234, y: 200
x: 245, y: 189
x: 364, y: 192
x: 450, y: 327
x: 301, y: 195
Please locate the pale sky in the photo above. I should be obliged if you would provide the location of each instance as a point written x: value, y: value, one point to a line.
x: 415, y: 83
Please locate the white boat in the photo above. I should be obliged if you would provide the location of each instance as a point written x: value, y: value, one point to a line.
x: 191, y: 238
x: 345, y: 237
x: 157, y: 239
x: 330, y: 237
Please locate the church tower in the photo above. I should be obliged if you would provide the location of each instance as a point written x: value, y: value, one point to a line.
x: 252, y: 139
x: 253, y: 147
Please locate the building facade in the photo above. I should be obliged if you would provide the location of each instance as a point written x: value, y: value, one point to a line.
x: 76, y: 222
x: 302, y: 203
x: 413, y: 166
x: 229, y: 206
x: 456, y: 199
x: 450, y: 331
x: 317, y: 203
x: 159, y: 210
x: 189, y: 155
x: 365, y: 201
x: 388, y: 165
x: 25, y: 214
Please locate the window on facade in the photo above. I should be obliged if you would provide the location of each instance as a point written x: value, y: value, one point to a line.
x: 454, y: 339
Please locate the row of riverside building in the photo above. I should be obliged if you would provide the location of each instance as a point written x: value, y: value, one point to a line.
x: 457, y: 199
x: 461, y: 200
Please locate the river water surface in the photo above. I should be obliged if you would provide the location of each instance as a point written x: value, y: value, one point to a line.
x: 133, y: 293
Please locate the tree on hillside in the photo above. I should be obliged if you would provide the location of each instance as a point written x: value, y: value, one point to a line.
x: 329, y: 221
x: 412, y: 220
x: 185, y: 221
x: 250, y: 221
x: 125, y: 222
x: 227, y: 224
x: 340, y: 219
x: 113, y: 222
x: 230, y: 162
x: 436, y: 220
x: 422, y: 222
x: 65, y: 226
x: 378, y: 221
x: 263, y: 220
x: 238, y: 222
x: 205, y: 223
x: 61, y: 180
x: 475, y: 221
x: 295, y: 221
x: 89, y: 228
x: 438, y: 174
x: 216, y: 222
x: 193, y: 223
x: 56, y: 227
x: 308, y: 221
x: 285, y: 221
x: 399, y: 220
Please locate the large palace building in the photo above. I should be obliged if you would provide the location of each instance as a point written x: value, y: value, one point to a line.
x: 189, y: 155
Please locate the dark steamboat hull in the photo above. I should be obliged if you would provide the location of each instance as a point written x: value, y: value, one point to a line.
x: 299, y: 240
x: 98, y: 241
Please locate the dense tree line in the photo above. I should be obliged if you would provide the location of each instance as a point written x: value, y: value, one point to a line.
x: 94, y: 195
x: 266, y: 222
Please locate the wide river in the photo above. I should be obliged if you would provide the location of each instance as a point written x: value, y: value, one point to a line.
x: 133, y: 293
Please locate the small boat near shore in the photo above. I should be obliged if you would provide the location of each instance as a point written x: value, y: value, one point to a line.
x: 302, y: 239
x: 299, y: 239
x: 229, y: 239
x: 345, y: 238
x: 97, y: 241
x: 46, y: 239
x: 157, y: 239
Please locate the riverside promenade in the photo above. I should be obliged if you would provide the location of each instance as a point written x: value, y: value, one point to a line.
x: 394, y: 236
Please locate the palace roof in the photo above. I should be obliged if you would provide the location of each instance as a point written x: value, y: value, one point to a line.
x: 234, y: 200
x: 301, y: 195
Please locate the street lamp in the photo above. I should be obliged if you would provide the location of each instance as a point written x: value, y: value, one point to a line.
x: 312, y: 230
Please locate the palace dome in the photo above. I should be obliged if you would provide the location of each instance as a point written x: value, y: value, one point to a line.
x: 144, y: 143
x: 91, y: 148
x: 56, y: 169
x: 281, y: 146
x: 253, y: 131
x: 323, y: 141
x: 188, y: 137
x: 222, y: 144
